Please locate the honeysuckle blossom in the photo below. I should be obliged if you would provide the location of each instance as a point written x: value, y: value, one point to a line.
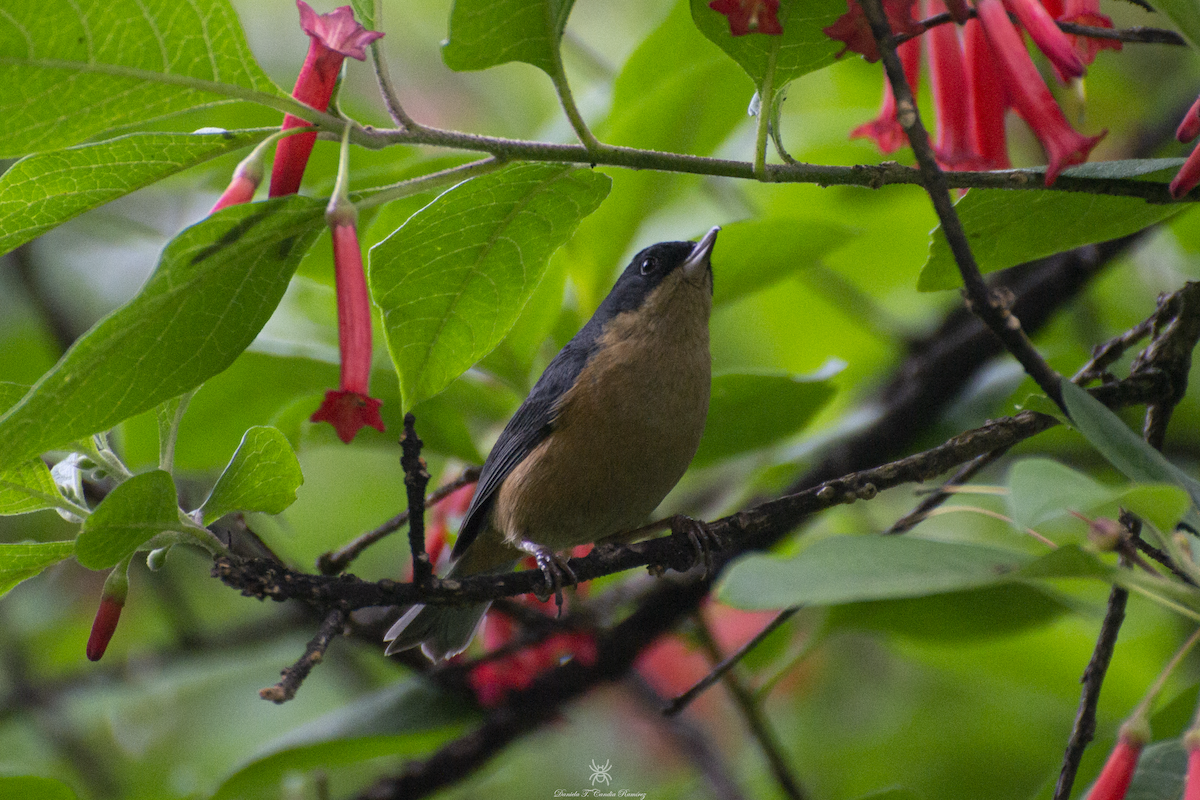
x: 1189, y: 174
x: 112, y: 601
x: 750, y: 16
x: 1118, y: 770
x: 332, y: 37
x: 885, y: 129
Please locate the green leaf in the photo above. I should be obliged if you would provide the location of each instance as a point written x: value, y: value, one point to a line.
x: 28, y: 487
x: 749, y: 412
x: 1123, y: 448
x: 407, y: 718
x: 484, y: 33
x: 754, y: 254
x: 263, y: 475
x: 802, y: 47
x: 33, y: 787
x: 215, y: 286
x: 1006, y: 228
x: 1160, y: 774
x: 74, y: 70
x: 131, y: 515
x: 1186, y: 16
x: 850, y: 569
x: 1041, y: 489
x: 1069, y: 561
x: 19, y: 562
x: 44, y: 190
x: 453, y: 279
x: 1160, y: 505
x: 364, y: 12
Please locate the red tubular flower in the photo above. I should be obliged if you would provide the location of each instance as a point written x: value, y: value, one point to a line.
x: 854, y: 31
x: 1028, y: 94
x: 241, y: 189
x: 885, y: 129
x: 332, y: 37
x: 988, y: 101
x: 750, y: 16
x: 1191, y: 784
x: 1118, y: 771
x: 1189, y: 126
x: 1086, y: 12
x: 1187, y: 177
x: 103, y: 627
x: 948, y: 80
x: 350, y: 408
x: 1048, y: 37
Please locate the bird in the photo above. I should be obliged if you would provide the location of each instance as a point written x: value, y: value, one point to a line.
x: 606, y: 432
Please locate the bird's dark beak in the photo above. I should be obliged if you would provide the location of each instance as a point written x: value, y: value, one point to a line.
x: 698, y: 262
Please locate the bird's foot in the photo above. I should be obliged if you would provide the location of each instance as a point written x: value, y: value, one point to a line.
x: 554, y: 569
x: 703, y: 539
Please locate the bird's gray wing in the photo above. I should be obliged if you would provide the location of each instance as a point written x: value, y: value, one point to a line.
x: 532, y: 423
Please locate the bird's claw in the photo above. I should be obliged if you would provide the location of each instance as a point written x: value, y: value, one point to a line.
x: 554, y: 569
x: 703, y: 539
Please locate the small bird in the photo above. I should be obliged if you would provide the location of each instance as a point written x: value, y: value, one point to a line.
x: 606, y: 433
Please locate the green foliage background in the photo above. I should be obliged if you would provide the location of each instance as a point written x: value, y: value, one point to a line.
x: 966, y: 693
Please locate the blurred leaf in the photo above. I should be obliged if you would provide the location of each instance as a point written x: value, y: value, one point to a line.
x: 215, y: 286
x: 1186, y: 16
x: 849, y: 569
x: 749, y: 412
x: 1162, y: 505
x: 454, y: 278
x: 484, y: 33
x: 364, y: 12
x: 1070, y: 561
x: 1006, y: 228
x: 972, y: 615
x: 754, y: 254
x: 1042, y: 489
x: 407, y: 718
x: 33, y: 787
x: 47, y: 189
x: 74, y: 70
x: 1123, y: 448
x: 132, y: 514
x: 802, y: 47
x: 21, y: 561
x: 263, y: 475
x: 1160, y: 772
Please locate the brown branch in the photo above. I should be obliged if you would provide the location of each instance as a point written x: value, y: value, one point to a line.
x: 1134, y: 35
x: 294, y: 675
x: 416, y: 478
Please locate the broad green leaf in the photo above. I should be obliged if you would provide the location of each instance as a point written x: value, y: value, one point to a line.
x: 1005, y: 228
x: 74, y: 70
x: 364, y: 12
x: 215, y: 286
x: 484, y: 33
x: 754, y: 254
x: 1070, y: 561
x: 1123, y: 448
x: 1186, y: 16
x: 405, y: 718
x: 850, y: 569
x: 47, y: 189
x: 132, y: 514
x: 749, y: 412
x: 28, y: 487
x: 453, y: 279
x: 263, y: 475
x: 801, y: 48
x: 1161, y: 505
x: 19, y: 562
x: 1041, y: 489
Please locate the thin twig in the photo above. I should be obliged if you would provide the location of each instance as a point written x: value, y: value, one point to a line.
x: 294, y: 675
x: 388, y: 89
x: 682, y: 701
x: 744, y: 699
x: 332, y: 563
x: 934, y: 499
x: 990, y: 308
x: 1134, y: 35
x: 416, y: 478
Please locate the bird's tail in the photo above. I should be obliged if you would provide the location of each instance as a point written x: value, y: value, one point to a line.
x: 441, y: 631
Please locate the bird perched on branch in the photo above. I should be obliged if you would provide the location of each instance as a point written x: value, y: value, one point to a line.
x: 606, y: 433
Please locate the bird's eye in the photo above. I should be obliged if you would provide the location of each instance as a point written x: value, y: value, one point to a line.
x: 648, y: 264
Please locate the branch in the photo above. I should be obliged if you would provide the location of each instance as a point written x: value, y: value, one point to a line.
x: 416, y: 478
x: 1135, y: 35
x: 294, y: 675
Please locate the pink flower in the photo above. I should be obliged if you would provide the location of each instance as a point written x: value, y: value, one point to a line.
x: 948, y: 79
x: 1187, y: 177
x: 988, y: 101
x: 885, y: 129
x: 332, y: 37
x: 350, y: 408
x: 1191, y: 784
x: 750, y: 16
x: 1189, y: 126
x: 1118, y: 771
x: 852, y: 28
x: 103, y: 627
x: 1027, y: 93
x: 1048, y: 37
x: 1087, y: 12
